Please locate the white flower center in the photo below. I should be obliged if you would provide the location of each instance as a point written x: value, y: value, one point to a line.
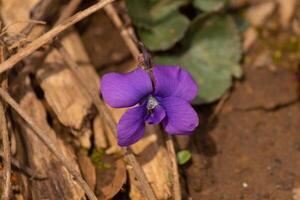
x: 152, y: 103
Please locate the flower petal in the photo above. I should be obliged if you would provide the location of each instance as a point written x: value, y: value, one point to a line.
x: 131, y: 126
x: 157, y: 115
x: 174, y: 81
x: 181, y: 117
x: 125, y: 90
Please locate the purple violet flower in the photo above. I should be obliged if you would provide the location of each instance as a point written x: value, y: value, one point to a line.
x: 168, y: 102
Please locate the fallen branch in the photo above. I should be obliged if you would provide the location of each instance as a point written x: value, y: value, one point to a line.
x: 47, y: 37
x: 5, y: 140
x: 102, y: 109
x: 40, y: 133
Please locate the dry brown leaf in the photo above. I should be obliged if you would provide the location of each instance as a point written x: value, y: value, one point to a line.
x: 111, y: 176
x: 87, y: 168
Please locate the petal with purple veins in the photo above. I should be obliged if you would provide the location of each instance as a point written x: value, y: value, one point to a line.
x: 181, y: 117
x: 174, y: 81
x: 125, y: 90
x: 157, y: 115
x: 131, y: 126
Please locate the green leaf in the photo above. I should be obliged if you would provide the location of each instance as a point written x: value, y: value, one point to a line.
x: 165, y: 33
x: 159, y: 23
x: 183, y: 157
x: 209, y: 5
x: 211, y: 54
x: 144, y: 13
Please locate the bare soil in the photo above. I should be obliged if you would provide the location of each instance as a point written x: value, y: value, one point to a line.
x: 252, y: 150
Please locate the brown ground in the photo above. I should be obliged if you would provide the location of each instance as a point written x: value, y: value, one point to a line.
x: 250, y: 152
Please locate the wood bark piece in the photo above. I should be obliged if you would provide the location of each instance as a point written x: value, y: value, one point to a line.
x: 99, y: 133
x: 62, y: 92
x: 60, y: 184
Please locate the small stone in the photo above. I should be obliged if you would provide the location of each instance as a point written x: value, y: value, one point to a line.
x: 245, y: 185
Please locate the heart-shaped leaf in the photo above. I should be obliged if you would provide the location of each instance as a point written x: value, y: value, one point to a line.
x: 211, y: 53
x: 165, y: 33
x: 209, y: 5
x: 159, y: 23
x: 147, y: 12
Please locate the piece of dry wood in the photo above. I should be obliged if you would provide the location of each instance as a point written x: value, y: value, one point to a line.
x: 175, y: 175
x: 71, y: 106
x: 42, y: 134
x: 47, y: 37
x: 5, y: 138
x: 99, y: 133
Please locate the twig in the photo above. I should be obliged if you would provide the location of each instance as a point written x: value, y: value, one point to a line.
x: 37, y: 13
x: 176, y: 182
x: 5, y: 139
x: 6, y: 152
x: 68, y: 10
x: 42, y: 135
x: 219, y: 107
x: 102, y: 109
x: 47, y: 37
x: 125, y: 33
x: 27, y: 170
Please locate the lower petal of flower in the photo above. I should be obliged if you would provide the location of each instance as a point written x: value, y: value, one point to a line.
x: 157, y: 115
x: 181, y: 117
x: 131, y: 126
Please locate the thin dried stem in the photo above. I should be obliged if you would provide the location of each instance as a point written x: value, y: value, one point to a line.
x: 5, y: 140
x: 102, y: 109
x: 6, y: 154
x: 125, y: 32
x: 47, y: 37
x: 176, y: 181
x: 42, y: 135
x: 26, y: 170
x: 68, y: 10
